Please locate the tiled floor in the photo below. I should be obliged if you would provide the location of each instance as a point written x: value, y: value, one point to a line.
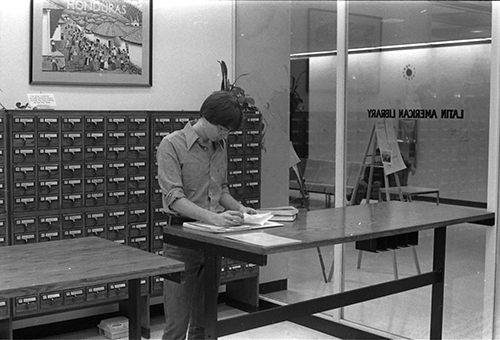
x: 405, y: 315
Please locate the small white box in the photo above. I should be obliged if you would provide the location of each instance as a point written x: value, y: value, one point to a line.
x: 114, y: 328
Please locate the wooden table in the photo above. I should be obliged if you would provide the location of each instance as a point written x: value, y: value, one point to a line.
x: 56, y: 265
x: 327, y: 227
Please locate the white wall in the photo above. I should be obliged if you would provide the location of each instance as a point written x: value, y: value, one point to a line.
x: 188, y: 39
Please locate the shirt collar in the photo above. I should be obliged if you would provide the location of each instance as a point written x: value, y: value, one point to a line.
x: 192, y: 136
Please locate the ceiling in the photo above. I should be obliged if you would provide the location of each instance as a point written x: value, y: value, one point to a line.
x: 453, y: 20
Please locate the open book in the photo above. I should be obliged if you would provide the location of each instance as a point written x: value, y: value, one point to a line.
x: 251, y: 222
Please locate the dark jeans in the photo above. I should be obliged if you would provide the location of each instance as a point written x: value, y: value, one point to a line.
x: 184, y: 303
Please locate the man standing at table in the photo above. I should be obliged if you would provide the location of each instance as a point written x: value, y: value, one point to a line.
x: 192, y: 173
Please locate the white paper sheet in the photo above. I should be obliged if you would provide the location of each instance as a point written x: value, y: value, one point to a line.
x: 262, y: 239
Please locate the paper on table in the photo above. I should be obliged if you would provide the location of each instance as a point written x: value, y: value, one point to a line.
x: 225, y: 229
x: 262, y: 239
x: 259, y: 219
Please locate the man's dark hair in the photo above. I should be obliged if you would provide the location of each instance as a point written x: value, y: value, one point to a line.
x: 222, y: 108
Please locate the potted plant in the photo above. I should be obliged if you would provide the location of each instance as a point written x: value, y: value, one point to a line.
x: 248, y: 103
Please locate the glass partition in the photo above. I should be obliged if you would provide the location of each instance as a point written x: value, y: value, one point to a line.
x: 441, y: 94
x: 424, y: 66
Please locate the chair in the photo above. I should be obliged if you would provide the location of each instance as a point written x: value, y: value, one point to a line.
x: 351, y: 175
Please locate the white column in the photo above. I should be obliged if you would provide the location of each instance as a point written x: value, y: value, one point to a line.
x: 340, y: 139
x: 491, y: 329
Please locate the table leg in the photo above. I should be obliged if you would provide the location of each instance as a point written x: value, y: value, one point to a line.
x: 212, y: 268
x: 6, y: 329
x: 438, y: 288
x: 134, y: 314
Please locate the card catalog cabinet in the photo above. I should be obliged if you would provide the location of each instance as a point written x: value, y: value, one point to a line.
x: 69, y: 174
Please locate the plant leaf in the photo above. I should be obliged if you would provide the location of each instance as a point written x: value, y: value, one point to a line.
x: 225, y: 83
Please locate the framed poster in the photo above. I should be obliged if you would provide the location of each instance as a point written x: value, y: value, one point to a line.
x: 91, y: 42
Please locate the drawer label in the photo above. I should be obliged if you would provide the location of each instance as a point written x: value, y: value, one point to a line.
x: 25, y: 200
x: 48, y: 120
x: 26, y: 221
x: 116, y: 165
x: 24, y: 120
x: 24, y: 169
x: 138, y: 120
x: 53, y: 219
x: 73, y: 232
x: 96, y: 289
x: 72, y: 135
x: 118, y: 286
x: 119, y: 120
x: 138, y: 164
x: 139, y: 226
x: 74, y: 293
x: 95, y: 120
x: 96, y: 215
x: 25, y: 185
x: 73, y: 218
x: 73, y: 167
x: 72, y: 120
x: 24, y: 136
x: 117, y: 194
x: 25, y: 237
x: 26, y: 300
x: 51, y: 296
x: 50, y: 235
x: 95, y: 166
x: 117, y: 213
x: 48, y: 135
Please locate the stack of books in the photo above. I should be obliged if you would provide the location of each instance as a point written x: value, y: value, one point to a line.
x: 281, y: 214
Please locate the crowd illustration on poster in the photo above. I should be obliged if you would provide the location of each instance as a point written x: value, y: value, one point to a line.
x: 92, y: 36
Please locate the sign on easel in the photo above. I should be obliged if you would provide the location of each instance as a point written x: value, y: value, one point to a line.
x: 389, y: 148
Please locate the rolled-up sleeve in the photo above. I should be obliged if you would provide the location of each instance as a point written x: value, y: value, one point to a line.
x: 169, y: 174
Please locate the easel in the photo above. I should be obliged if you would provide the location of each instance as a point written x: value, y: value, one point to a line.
x: 373, y: 144
x: 392, y: 242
